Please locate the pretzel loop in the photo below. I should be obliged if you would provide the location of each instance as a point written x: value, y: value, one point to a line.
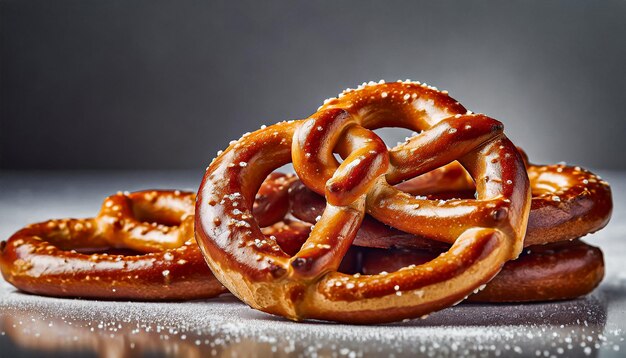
x: 307, y: 285
x: 73, y: 257
x: 147, y: 221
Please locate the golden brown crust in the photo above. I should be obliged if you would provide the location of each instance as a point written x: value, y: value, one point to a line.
x: 486, y: 232
x: 568, y: 202
x: 543, y: 272
x: 159, y: 259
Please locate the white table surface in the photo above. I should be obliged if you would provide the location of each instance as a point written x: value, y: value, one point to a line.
x: 31, y: 325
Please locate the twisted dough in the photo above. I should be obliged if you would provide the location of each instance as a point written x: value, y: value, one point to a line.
x: 555, y: 271
x: 543, y: 272
x: 257, y: 263
x: 567, y: 202
x: 151, y: 252
x: 486, y: 232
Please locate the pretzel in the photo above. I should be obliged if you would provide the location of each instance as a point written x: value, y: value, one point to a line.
x: 68, y: 257
x: 485, y: 232
x: 271, y: 202
x: 568, y: 202
x: 554, y: 271
x: 543, y: 272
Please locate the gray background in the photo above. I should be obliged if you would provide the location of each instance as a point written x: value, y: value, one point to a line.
x: 165, y: 84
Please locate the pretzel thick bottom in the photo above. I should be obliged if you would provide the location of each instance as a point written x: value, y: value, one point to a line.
x: 548, y: 272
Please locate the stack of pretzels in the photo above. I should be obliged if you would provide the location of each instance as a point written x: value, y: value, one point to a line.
x: 456, y: 212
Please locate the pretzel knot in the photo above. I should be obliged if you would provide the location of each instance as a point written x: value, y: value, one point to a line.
x: 485, y: 232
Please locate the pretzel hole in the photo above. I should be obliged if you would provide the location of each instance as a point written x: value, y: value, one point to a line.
x: 550, y: 182
x: 154, y: 215
x: 271, y: 210
x: 445, y: 183
x: 394, y: 135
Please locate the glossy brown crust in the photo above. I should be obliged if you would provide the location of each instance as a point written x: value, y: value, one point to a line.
x: 542, y: 272
x: 37, y: 266
x: 552, y: 272
x: 50, y: 258
x: 271, y: 202
x: 486, y: 232
x: 555, y: 271
x: 568, y: 202
x: 141, y: 245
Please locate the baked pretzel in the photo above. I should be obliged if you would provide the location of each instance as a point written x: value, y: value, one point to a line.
x: 567, y: 202
x: 555, y: 271
x: 547, y: 276
x: 485, y: 232
x: 139, y: 247
x: 543, y: 272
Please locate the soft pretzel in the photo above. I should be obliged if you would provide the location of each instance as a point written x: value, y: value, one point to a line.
x: 151, y: 252
x: 555, y: 271
x: 567, y: 202
x: 485, y: 232
x: 544, y: 272
x: 528, y: 271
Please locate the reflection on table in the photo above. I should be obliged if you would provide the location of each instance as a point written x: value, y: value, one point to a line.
x: 226, y: 327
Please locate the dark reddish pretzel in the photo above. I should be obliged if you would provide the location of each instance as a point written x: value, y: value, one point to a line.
x: 568, y: 202
x: 554, y: 271
x: 486, y: 232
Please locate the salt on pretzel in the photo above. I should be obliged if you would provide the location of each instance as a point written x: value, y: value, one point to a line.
x: 541, y: 273
x: 554, y: 271
x: 151, y: 252
x: 568, y: 202
x: 485, y: 232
